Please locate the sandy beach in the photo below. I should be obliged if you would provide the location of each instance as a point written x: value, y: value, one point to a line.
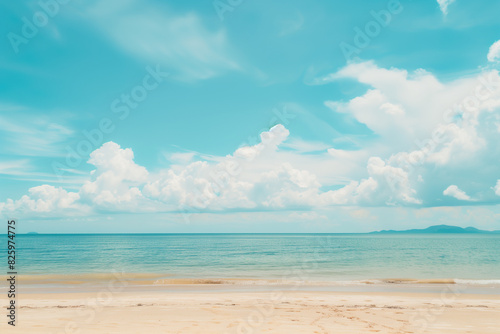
x: 213, y: 310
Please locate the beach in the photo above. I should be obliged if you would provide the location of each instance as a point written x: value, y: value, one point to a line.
x: 243, y: 284
x: 208, y: 308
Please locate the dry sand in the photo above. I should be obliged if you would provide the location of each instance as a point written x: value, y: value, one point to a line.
x: 254, y: 312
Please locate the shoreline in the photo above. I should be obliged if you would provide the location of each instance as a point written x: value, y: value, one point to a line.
x: 132, y: 282
x: 298, y: 278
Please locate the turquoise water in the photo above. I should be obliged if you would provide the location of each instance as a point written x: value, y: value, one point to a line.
x: 333, y: 257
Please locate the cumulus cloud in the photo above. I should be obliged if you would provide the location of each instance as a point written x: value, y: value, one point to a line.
x: 437, y: 127
x: 269, y: 140
x: 118, y: 184
x: 235, y: 181
x: 412, y: 109
x: 494, y: 52
x: 287, y: 187
x: 456, y: 192
x: 428, y: 135
x: 200, y: 185
x: 252, y: 178
x: 386, y: 185
x: 42, y: 200
x: 394, y: 93
x: 114, y: 183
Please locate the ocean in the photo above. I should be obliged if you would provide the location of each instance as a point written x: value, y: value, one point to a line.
x: 307, y: 257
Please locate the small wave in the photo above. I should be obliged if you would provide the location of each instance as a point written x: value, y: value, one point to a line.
x: 419, y: 281
x: 165, y: 279
x: 478, y: 281
x: 433, y: 281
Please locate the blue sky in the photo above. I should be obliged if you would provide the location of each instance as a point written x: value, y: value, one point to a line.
x: 249, y: 116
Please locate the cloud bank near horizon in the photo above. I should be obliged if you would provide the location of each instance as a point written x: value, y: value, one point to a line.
x: 432, y: 138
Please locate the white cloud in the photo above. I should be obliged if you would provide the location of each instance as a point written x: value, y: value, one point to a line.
x: 415, y: 115
x: 232, y: 182
x: 386, y: 185
x: 400, y: 106
x: 14, y: 167
x: 114, y: 183
x: 32, y: 136
x: 443, y: 5
x: 180, y: 42
x: 269, y: 141
x: 428, y: 134
x: 43, y: 199
x: 494, y: 52
x: 456, y: 192
x: 497, y: 188
x: 180, y: 157
x: 304, y: 146
x: 436, y: 126
x: 255, y: 177
x: 287, y: 187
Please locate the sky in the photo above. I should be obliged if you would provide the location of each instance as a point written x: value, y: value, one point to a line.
x: 128, y: 116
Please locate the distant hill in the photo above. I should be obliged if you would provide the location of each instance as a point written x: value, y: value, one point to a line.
x: 439, y: 229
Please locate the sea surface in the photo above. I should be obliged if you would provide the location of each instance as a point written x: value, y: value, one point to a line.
x: 310, y: 257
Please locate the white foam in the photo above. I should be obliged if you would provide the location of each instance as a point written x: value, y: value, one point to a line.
x: 477, y: 281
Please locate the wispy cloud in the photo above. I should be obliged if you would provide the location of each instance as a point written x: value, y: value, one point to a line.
x: 181, y: 42
x: 304, y: 146
x: 14, y: 167
x: 443, y: 5
x: 25, y: 170
x: 33, y: 136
